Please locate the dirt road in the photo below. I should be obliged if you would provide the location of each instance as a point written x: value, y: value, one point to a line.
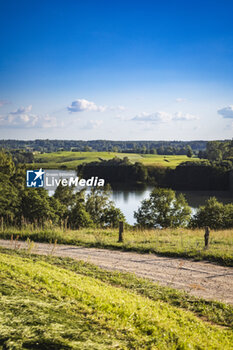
x: 201, y: 279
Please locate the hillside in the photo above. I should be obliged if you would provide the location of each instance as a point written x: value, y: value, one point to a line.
x: 70, y: 160
x: 49, y: 303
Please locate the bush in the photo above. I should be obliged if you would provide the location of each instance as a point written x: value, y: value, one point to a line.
x: 214, y: 214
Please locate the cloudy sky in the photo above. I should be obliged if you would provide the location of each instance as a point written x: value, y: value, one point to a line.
x: 137, y: 70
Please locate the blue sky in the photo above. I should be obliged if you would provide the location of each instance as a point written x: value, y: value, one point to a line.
x: 122, y: 70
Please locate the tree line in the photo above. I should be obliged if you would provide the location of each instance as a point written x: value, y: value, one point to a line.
x: 211, y: 150
x: 198, y: 175
x: 146, y: 147
x: 166, y: 209
x: 20, y: 205
x: 217, y: 151
x: 115, y: 171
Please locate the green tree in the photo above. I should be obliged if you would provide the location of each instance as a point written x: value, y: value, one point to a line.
x: 6, y: 164
x: 163, y: 209
x: 9, y: 193
x: 65, y: 194
x: 112, y: 216
x: 9, y: 200
x: 78, y: 215
x: 36, y: 206
x: 153, y: 151
x: 87, y: 149
x: 101, y: 209
x: 144, y: 149
x: 59, y: 209
x: 189, y: 152
x: 214, y: 214
x: 72, y: 207
x: 214, y: 150
x: 141, y: 172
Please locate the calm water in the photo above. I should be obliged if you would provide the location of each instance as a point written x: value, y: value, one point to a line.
x: 129, y: 200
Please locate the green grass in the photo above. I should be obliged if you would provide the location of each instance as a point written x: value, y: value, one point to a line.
x: 180, y: 242
x: 55, y: 303
x: 168, y: 242
x: 72, y: 159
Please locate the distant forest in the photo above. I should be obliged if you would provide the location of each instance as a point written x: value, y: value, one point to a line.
x: 213, y: 170
x: 152, y: 147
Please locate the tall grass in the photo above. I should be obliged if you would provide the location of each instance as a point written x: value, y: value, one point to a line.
x: 179, y: 242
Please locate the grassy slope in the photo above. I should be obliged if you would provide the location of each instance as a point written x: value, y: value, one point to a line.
x: 54, y: 303
x: 73, y: 159
x: 168, y: 242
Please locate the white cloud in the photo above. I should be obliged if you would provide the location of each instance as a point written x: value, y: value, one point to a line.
x: 22, y: 118
x: 22, y: 110
x: 164, y: 117
x: 117, y: 108
x: 120, y: 108
x: 93, y: 124
x: 13, y: 120
x: 157, y: 117
x: 187, y: 116
x: 49, y: 122
x: 226, y: 112
x: 122, y: 117
x: 180, y: 99
x: 81, y: 105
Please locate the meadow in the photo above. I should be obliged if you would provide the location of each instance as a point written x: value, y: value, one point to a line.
x: 180, y: 242
x: 71, y: 160
x: 55, y: 303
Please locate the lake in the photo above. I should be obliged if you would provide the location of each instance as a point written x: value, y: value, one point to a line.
x: 129, y: 200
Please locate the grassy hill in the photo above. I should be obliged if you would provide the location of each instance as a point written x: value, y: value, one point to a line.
x: 53, y: 303
x: 72, y: 159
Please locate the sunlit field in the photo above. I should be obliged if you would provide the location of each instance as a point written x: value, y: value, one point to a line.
x: 71, y: 160
x: 54, y: 303
x: 178, y: 242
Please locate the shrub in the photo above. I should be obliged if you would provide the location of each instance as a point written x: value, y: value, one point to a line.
x: 163, y: 209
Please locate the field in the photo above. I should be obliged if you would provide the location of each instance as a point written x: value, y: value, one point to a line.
x: 178, y: 242
x: 53, y: 303
x: 72, y: 159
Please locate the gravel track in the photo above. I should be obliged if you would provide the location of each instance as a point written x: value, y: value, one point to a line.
x: 201, y: 279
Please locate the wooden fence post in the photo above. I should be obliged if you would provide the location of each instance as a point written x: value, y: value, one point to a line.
x: 206, y: 236
x: 121, y: 230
